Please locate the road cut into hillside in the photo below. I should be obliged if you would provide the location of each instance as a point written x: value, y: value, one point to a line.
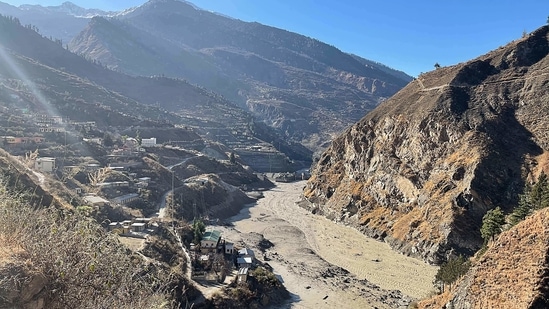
x: 324, y: 264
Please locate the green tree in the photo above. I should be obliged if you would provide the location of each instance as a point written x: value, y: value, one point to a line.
x: 523, y: 209
x: 492, y: 222
x: 198, y: 230
x: 107, y: 140
x: 232, y: 158
x: 539, y: 194
x: 451, y: 270
x: 437, y: 65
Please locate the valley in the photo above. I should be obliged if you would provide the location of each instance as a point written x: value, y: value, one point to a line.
x: 168, y: 156
x: 306, y: 248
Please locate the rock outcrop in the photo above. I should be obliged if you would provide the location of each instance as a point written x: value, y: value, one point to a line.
x: 422, y: 169
x: 20, y: 285
x: 511, y: 274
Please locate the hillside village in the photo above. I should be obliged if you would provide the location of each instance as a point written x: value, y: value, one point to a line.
x: 134, y: 188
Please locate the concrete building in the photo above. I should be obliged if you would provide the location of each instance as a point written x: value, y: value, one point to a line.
x: 45, y: 164
x: 229, y: 248
x: 246, y: 253
x: 95, y: 200
x: 242, y: 276
x: 125, y: 199
x: 148, y: 142
x: 210, y: 240
x: 244, y: 262
x: 138, y: 227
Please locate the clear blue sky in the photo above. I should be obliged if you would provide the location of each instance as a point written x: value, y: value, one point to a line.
x: 406, y: 35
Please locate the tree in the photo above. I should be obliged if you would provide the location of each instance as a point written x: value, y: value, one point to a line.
x: 107, y: 140
x: 523, y: 209
x: 539, y: 194
x: 232, y: 158
x: 198, y: 230
x: 492, y: 222
x: 437, y: 66
x: 451, y: 270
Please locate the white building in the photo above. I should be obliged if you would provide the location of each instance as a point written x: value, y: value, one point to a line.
x: 45, y: 164
x: 148, y: 142
x: 95, y: 200
x: 128, y: 198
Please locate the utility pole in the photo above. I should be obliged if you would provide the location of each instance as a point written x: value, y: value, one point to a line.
x: 173, y: 192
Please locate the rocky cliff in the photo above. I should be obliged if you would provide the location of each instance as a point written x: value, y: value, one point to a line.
x: 422, y: 169
x: 511, y: 274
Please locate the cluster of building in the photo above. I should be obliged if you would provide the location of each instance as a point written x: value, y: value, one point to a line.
x: 137, y: 227
x: 244, y: 259
x: 13, y: 140
x: 47, y: 123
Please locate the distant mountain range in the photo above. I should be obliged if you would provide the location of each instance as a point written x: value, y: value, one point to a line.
x: 39, y: 75
x: 306, y: 89
x: 61, y: 22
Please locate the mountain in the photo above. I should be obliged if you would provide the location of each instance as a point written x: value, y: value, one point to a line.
x: 422, y: 169
x: 61, y: 22
x: 306, y: 89
x: 84, y: 91
x: 512, y: 273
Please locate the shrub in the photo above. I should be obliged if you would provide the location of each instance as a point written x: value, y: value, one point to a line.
x: 84, y: 266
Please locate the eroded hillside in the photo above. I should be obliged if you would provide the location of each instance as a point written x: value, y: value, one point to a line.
x: 511, y: 274
x: 422, y: 169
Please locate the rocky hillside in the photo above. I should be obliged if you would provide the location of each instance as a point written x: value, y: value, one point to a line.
x: 422, y: 169
x: 304, y: 87
x: 511, y: 274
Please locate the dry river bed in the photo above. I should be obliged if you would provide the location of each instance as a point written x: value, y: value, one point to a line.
x: 324, y: 264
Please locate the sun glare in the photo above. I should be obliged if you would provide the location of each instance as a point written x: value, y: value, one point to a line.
x: 6, y: 59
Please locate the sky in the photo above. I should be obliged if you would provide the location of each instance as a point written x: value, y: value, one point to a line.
x: 410, y: 36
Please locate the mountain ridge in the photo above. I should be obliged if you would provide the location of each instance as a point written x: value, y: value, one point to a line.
x: 421, y: 169
x: 284, y: 78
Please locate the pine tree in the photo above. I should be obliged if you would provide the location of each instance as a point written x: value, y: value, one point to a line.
x: 451, y: 270
x: 492, y: 222
x: 523, y: 209
x: 198, y: 230
x: 538, y: 195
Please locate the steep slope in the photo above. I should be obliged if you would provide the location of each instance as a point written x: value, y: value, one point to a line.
x: 305, y: 88
x: 422, y: 169
x: 67, y: 80
x: 511, y: 274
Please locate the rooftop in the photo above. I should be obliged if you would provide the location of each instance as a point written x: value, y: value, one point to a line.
x: 244, y: 260
x: 94, y: 199
x: 246, y: 252
x: 214, y: 236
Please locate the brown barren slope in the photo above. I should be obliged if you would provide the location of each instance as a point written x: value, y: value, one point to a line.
x: 422, y: 169
x: 513, y: 273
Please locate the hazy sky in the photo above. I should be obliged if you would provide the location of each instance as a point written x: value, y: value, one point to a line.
x: 406, y: 35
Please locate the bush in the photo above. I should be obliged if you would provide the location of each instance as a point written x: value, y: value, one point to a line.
x: 84, y: 266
